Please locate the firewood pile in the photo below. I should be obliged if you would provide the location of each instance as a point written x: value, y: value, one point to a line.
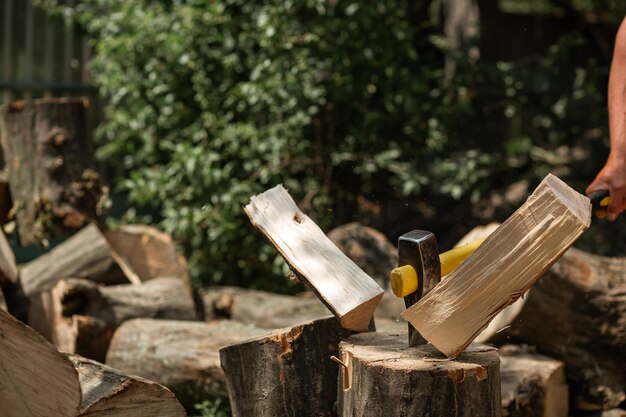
x: 107, y: 322
x: 114, y: 328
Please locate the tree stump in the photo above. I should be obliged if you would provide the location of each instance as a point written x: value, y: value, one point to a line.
x: 54, y: 185
x: 182, y: 355
x: 286, y: 373
x: 384, y: 377
x: 79, y: 316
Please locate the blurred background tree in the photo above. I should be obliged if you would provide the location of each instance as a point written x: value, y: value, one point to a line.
x: 439, y: 114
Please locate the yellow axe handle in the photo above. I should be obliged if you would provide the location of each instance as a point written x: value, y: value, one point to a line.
x: 404, y: 279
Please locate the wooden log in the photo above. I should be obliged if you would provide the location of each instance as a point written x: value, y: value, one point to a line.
x: 3, y: 301
x: 387, y: 378
x: 8, y: 268
x: 286, y: 373
x: 368, y: 248
x: 85, y: 255
x: 54, y: 185
x: 503, y: 268
x: 618, y: 412
x: 79, y: 316
x: 148, y: 252
x: 108, y: 392
x: 182, y: 355
x: 577, y: 313
x: 533, y: 385
x: 343, y: 287
x: 37, y: 380
x: 275, y: 311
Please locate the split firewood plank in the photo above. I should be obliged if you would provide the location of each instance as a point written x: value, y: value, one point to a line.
x: 79, y: 316
x: 107, y: 392
x: 503, y: 268
x: 149, y: 252
x: 37, y: 380
x: 182, y: 355
x: 345, y: 289
x: 384, y: 377
x: 576, y: 313
x: 84, y: 255
x: 286, y: 373
x: 8, y: 268
x: 533, y: 385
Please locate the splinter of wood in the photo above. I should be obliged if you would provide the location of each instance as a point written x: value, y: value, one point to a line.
x: 341, y: 285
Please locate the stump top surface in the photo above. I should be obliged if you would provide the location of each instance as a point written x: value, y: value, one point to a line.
x: 391, y: 349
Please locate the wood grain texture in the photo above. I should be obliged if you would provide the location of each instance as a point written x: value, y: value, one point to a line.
x: 533, y: 385
x: 391, y: 379
x: 182, y: 355
x: 576, y: 313
x: 345, y: 289
x: 8, y: 268
x: 85, y: 255
x: 503, y: 268
x: 36, y: 379
x: 54, y: 185
x: 286, y: 373
x: 148, y: 252
x: 107, y: 392
x: 79, y: 316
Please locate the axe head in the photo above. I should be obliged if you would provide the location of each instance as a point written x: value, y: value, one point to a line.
x: 418, y: 248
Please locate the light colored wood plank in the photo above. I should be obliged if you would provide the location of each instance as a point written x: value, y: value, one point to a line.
x: 36, y: 379
x: 8, y: 268
x: 503, y: 268
x: 345, y: 289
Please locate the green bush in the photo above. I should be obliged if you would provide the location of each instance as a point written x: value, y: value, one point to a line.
x: 210, y: 102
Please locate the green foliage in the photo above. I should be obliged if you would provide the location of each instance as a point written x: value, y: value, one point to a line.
x: 210, y: 102
x: 215, y: 408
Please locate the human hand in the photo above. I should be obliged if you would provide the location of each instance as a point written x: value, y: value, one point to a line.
x: 612, y: 177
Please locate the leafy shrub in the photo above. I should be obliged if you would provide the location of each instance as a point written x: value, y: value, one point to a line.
x: 210, y: 102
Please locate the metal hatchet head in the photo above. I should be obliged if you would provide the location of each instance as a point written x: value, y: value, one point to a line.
x: 418, y: 248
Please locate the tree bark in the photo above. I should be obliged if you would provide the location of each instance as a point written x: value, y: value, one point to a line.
x: 577, y: 313
x: 148, y: 252
x: 286, y: 373
x: 80, y: 317
x: 390, y: 379
x: 37, y: 380
x: 106, y: 392
x: 54, y: 185
x: 533, y: 385
x: 182, y: 355
x: 85, y: 255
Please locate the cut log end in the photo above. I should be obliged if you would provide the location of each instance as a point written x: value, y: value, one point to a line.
x: 396, y: 380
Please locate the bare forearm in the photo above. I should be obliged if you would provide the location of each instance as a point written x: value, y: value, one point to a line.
x: 617, y: 98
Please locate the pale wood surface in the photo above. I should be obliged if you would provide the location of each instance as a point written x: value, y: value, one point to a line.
x: 107, y: 392
x: 84, y: 255
x: 347, y: 291
x: 36, y: 379
x: 391, y: 379
x: 500, y: 271
x: 182, y: 355
x: 8, y: 269
x: 3, y: 301
x: 286, y: 373
x: 148, y: 252
x: 79, y: 316
x: 533, y: 385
